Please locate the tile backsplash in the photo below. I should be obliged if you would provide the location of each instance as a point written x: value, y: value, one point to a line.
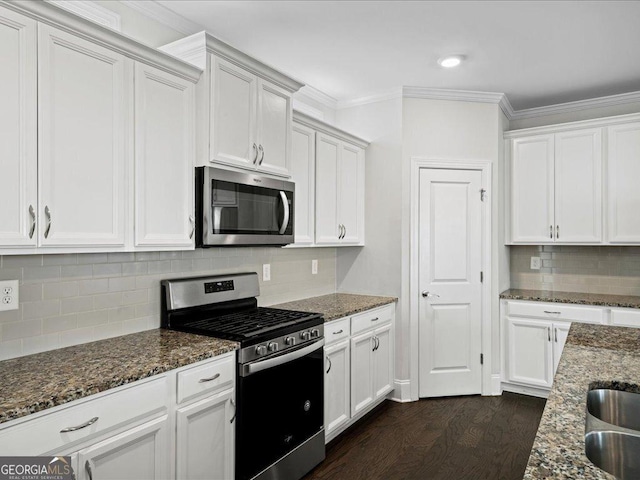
x: 76, y: 298
x: 614, y: 270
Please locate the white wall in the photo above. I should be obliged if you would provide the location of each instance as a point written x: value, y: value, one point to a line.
x: 458, y: 131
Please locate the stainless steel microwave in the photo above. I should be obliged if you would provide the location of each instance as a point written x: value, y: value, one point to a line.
x: 235, y: 208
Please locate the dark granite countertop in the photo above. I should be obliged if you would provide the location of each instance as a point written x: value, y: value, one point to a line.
x: 596, y: 299
x: 337, y: 305
x: 36, y: 382
x: 595, y: 356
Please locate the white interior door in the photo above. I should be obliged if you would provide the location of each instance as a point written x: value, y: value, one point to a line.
x: 450, y: 255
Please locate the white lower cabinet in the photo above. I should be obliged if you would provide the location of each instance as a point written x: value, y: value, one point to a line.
x: 181, y: 421
x: 359, y: 366
x: 139, y: 453
x: 530, y: 352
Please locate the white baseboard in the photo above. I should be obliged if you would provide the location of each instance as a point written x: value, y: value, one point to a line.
x: 402, y: 391
x: 532, y: 391
x: 496, y: 384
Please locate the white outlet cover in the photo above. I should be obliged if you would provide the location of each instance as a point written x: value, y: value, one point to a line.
x: 535, y: 263
x: 266, y: 272
x: 314, y: 267
x: 9, y: 298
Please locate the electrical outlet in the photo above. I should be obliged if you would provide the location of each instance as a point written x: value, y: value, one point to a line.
x: 535, y: 263
x: 9, y: 295
x: 266, y: 272
x: 314, y: 267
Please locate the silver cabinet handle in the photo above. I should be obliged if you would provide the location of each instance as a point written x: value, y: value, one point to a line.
x: 339, y: 331
x: 557, y: 231
x: 47, y: 213
x: 552, y: 313
x: 328, y: 360
x: 556, y: 334
x: 377, y: 341
x: 80, y: 427
x: 427, y: 294
x: 373, y: 339
x: 32, y: 213
x: 255, y: 153
x: 233, y: 404
x: 551, y: 232
x: 549, y: 333
x: 339, y: 231
x: 375, y: 319
x: 285, y: 220
x: 88, y: 466
x: 210, y: 379
x: 261, y: 155
x: 193, y: 226
x: 345, y: 231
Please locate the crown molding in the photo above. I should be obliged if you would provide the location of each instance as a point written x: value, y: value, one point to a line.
x: 570, y: 126
x: 568, y: 107
x: 393, y: 94
x: 163, y: 15
x: 50, y: 14
x: 300, y: 106
x: 91, y: 11
x: 455, y: 95
x: 316, y: 95
x: 328, y: 129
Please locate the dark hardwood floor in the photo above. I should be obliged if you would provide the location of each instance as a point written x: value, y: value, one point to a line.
x: 452, y: 438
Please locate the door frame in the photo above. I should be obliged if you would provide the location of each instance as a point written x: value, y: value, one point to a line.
x: 485, y: 167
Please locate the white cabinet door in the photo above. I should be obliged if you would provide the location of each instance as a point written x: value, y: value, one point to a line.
x: 623, y: 194
x: 233, y: 114
x: 532, y: 187
x: 303, y: 165
x: 205, y: 440
x: 351, y: 193
x: 18, y: 130
x: 327, y: 164
x: 578, y: 186
x: 164, y: 158
x: 84, y: 91
x: 560, y: 334
x: 139, y: 453
x: 274, y: 128
x: 529, y: 352
x: 362, y: 394
x: 383, y: 362
x: 336, y: 386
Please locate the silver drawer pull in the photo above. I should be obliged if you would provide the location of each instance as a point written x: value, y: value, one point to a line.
x: 339, y: 331
x: 79, y: 427
x: 552, y: 313
x: 233, y: 404
x: 375, y: 319
x: 47, y: 214
x: 210, y: 379
x: 32, y: 214
x: 88, y: 466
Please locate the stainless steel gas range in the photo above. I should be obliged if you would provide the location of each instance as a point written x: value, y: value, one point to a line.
x: 280, y: 399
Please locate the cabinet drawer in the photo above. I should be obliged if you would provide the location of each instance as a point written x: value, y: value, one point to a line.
x: 45, y: 433
x: 372, y: 318
x: 206, y: 378
x: 556, y: 311
x: 625, y: 317
x: 336, y: 330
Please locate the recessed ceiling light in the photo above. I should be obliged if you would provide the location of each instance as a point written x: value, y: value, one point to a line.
x: 450, y: 61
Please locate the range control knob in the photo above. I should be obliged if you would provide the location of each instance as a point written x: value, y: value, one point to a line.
x: 315, y: 333
x: 273, y: 346
x: 261, y: 350
x: 305, y: 336
x: 290, y: 341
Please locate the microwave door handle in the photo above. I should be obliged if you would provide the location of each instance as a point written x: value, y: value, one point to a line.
x: 217, y: 217
x: 285, y: 221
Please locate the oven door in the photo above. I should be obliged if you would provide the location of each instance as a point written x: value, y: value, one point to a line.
x: 245, y: 209
x: 280, y: 433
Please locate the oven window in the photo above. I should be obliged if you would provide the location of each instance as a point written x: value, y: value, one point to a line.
x: 244, y: 209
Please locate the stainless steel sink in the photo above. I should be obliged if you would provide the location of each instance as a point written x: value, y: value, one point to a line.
x: 614, y: 407
x: 614, y: 452
x: 612, y: 432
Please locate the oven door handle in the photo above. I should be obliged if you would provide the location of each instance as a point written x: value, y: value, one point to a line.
x: 255, y: 367
x: 285, y: 204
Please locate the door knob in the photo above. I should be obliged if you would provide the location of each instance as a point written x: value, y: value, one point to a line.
x: 429, y: 294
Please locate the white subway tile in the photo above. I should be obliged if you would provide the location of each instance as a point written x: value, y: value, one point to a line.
x: 22, y: 329
x: 93, y: 287
x: 45, y: 308
x: 92, y: 258
x: 60, y: 290
x: 40, y: 274
x: 76, y: 305
x: 121, y: 257
x: 60, y: 259
x: 134, y: 297
x: 119, y: 314
x: 39, y: 344
x: 91, y: 319
x: 107, y: 270
x: 107, y: 300
x: 60, y: 324
x: 77, y: 271
x: 122, y: 284
x: 10, y: 349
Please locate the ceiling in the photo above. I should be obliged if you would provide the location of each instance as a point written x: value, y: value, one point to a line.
x: 538, y: 53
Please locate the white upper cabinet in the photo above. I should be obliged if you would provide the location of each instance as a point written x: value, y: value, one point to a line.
x: 164, y: 158
x: 623, y: 194
x: 351, y: 194
x: 556, y: 188
x: 327, y: 164
x: 246, y: 104
x: 18, y: 130
x: 303, y: 164
x: 83, y: 93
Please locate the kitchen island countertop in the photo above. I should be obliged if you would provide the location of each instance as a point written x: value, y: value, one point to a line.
x: 337, y: 305
x: 44, y: 380
x: 595, y: 356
